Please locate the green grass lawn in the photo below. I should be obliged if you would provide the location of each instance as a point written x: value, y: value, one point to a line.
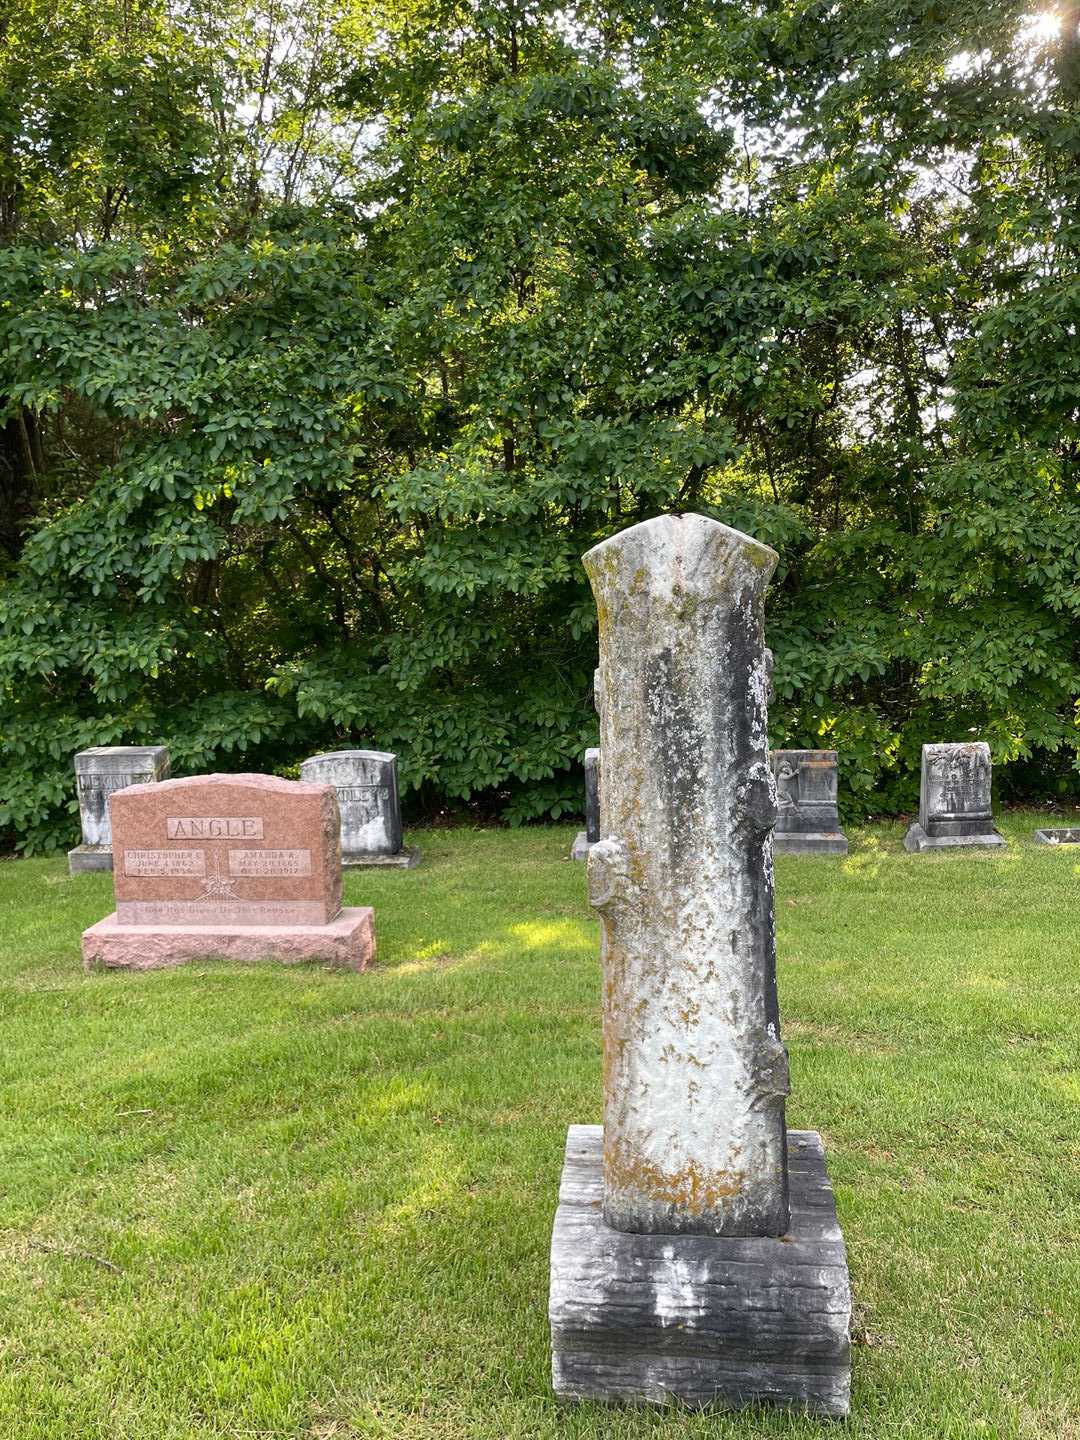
x: 258, y: 1202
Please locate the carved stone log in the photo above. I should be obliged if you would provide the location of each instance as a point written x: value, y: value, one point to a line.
x: 694, y: 1071
x: 679, y: 1267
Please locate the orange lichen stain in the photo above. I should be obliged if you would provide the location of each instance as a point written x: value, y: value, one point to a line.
x: 614, y: 1045
x: 691, y: 1190
x: 689, y: 1014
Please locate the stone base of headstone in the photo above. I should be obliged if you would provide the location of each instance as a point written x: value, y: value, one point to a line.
x: 400, y: 860
x: 347, y: 942
x: 1064, y: 836
x: 89, y: 857
x: 814, y: 842
x: 917, y: 839
x: 581, y: 847
x: 652, y: 1319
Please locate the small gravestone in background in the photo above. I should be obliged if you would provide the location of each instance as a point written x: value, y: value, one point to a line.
x: 696, y: 1255
x: 1062, y: 835
x: 954, y: 799
x: 245, y: 867
x: 807, y: 820
x: 366, y: 783
x: 587, y: 838
x: 99, y: 773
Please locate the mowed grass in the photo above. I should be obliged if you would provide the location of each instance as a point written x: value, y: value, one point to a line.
x: 261, y: 1202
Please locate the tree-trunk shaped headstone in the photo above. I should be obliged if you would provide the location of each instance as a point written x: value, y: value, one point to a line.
x: 694, y: 1071
x: 681, y: 1265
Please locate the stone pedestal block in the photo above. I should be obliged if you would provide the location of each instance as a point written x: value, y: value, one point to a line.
x: 85, y: 858
x: 346, y: 942
x: 811, y: 844
x: 1060, y: 836
x: 703, y: 1320
x: 917, y: 839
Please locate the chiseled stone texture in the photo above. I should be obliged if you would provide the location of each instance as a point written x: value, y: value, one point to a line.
x: 699, y: 1319
x: 239, y: 866
x: 954, y: 799
x: 99, y: 773
x: 366, y: 782
x: 695, y: 1074
x: 807, y: 818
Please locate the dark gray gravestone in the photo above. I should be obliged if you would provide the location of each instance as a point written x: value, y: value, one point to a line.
x: 807, y: 820
x: 954, y: 799
x: 1059, y: 836
x: 367, y: 795
x: 99, y: 773
x: 587, y: 838
x: 684, y: 1264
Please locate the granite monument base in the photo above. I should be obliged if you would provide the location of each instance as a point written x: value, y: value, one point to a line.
x: 651, y: 1319
x: 1059, y: 836
x: 347, y: 942
x: 917, y: 839
x: 400, y: 860
x: 813, y: 842
x: 581, y: 846
x: 89, y: 857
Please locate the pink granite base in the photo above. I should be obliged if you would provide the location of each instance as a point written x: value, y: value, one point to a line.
x: 347, y: 942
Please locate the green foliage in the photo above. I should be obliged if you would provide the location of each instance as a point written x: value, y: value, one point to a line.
x: 330, y: 336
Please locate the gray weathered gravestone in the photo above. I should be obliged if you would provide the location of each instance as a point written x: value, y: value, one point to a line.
x: 100, y: 772
x: 367, y: 796
x: 587, y: 838
x: 807, y: 820
x: 1062, y: 835
x: 954, y: 799
x: 689, y: 1259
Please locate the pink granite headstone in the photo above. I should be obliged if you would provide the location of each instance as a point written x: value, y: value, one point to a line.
x: 246, y: 867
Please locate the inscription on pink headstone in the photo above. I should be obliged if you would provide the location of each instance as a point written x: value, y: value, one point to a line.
x: 269, y: 862
x: 215, y: 827
x: 227, y: 849
x: 164, y: 862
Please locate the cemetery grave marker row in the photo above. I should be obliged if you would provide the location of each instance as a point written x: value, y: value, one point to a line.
x: 365, y: 782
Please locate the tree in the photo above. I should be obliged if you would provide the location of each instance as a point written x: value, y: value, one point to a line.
x: 342, y: 332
